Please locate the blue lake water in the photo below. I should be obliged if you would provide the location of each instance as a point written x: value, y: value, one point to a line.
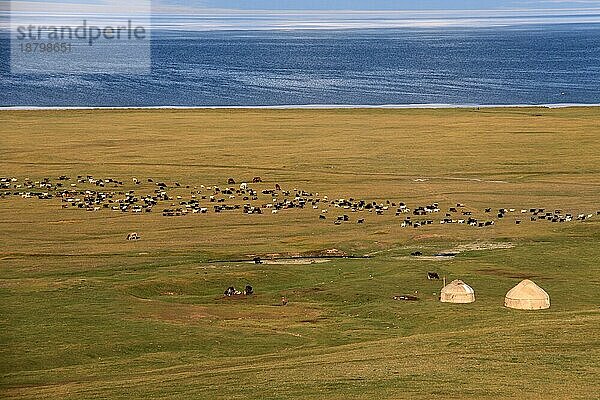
x: 546, y: 64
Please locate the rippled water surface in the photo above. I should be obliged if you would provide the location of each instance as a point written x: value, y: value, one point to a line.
x: 524, y: 65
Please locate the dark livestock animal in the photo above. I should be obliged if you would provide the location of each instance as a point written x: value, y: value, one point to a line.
x: 432, y: 275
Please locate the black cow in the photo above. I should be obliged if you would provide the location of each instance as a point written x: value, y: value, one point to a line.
x: 433, y: 276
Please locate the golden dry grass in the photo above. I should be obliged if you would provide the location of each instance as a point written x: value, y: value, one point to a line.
x: 86, y: 314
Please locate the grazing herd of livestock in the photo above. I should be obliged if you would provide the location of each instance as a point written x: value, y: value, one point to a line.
x: 176, y: 200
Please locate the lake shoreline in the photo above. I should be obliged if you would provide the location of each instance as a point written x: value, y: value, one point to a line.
x: 304, y: 107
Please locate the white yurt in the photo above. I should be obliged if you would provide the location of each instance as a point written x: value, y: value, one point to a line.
x: 527, y: 296
x: 457, y: 292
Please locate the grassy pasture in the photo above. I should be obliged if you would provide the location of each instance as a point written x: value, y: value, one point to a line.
x: 85, y: 314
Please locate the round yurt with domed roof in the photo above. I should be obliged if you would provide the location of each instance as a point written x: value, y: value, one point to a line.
x: 457, y: 292
x: 527, y: 296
